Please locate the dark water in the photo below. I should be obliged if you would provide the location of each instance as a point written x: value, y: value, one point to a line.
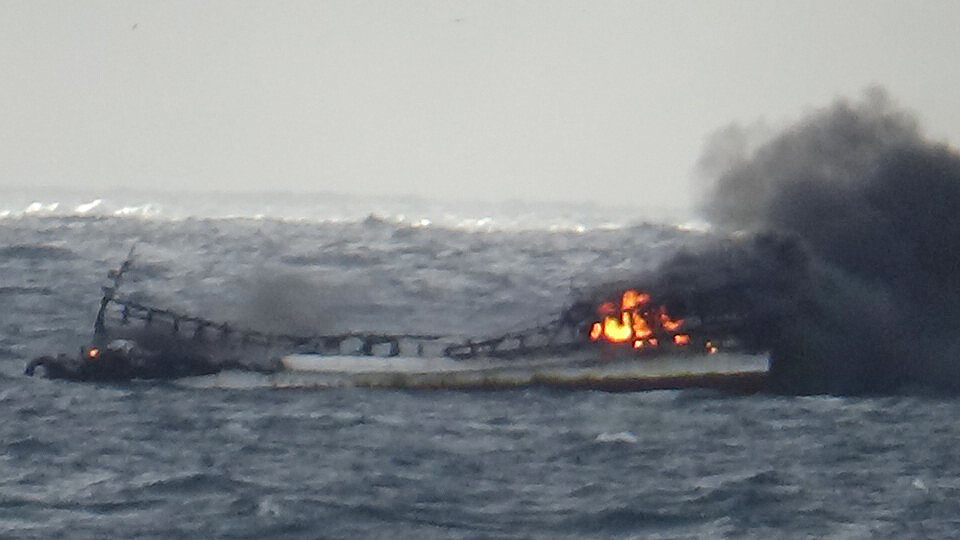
x: 184, y: 459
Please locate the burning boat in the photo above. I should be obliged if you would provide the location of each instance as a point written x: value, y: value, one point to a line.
x: 625, y: 341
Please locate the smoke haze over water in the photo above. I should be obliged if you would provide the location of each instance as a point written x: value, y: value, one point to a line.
x: 850, y: 260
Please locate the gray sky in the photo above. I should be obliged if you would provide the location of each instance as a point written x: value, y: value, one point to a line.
x: 544, y: 100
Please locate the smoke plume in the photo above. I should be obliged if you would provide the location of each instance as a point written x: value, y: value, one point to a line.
x: 845, y: 264
x: 287, y: 303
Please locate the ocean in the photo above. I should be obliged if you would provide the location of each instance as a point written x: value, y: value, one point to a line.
x: 201, y: 459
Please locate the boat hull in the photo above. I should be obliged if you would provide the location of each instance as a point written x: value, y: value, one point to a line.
x: 729, y: 373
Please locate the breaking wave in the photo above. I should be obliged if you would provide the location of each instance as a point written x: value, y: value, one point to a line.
x: 402, y: 213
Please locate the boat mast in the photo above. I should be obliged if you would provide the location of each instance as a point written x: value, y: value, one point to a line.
x: 99, y: 326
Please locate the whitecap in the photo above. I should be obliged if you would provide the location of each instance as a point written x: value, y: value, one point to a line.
x: 86, y: 207
x: 146, y: 210
x: 620, y: 436
x: 36, y: 207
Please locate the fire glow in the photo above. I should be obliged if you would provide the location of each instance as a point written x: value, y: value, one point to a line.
x: 641, y: 324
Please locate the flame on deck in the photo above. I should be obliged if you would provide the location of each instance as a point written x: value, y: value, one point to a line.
x: 641, y: 324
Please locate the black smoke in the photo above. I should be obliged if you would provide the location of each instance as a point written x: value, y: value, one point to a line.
x: 840, y: 249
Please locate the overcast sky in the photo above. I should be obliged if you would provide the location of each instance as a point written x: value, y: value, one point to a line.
x: 542, y: 100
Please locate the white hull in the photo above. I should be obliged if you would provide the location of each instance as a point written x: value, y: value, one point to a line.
x: 733, y: 372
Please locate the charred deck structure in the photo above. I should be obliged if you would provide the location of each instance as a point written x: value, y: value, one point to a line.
x: 133, y: 340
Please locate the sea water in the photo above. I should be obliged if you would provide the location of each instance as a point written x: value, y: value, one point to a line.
x: 241, y: 459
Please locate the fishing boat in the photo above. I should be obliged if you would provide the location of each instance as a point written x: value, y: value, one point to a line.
x: 627, y: 341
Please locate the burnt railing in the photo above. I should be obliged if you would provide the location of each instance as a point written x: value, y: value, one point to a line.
x: 566, y: 334
x: 124, y: 314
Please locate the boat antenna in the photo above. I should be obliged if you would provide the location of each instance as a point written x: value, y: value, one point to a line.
x: 99, y: 326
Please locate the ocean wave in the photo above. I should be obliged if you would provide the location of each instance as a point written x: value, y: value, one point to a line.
x: 42, y: 291
x: 403, y: 214
x: 618, y: 437
x: 36, y: 252
x: 399, y: 222
x: 189, y: 482
x: 625, y: 519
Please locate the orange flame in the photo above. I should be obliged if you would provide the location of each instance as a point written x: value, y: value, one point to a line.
x: 640, y: 327
x: 669, y: 324
x: 638, y: 323
x: 618, y: 331
x: 632, y: 299
x: 596, y: 331
x: 92, y: 354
